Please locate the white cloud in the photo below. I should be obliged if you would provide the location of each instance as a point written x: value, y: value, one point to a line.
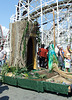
x: 5, y: 30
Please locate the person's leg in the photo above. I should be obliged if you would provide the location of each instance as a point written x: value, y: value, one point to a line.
x: 46, y: 63
x: 40, y: 61
x: 2, y: 62
x: 5, y: 60
x: 43, y: 62
x: 67, y: 69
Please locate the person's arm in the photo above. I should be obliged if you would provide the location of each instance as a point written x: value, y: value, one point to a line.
x: 4, y: 56
x: 65, y: 52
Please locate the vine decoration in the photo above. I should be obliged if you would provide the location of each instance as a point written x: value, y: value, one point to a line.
x: 23, y: 40
x: 38, y: 33
x: 38, y: 36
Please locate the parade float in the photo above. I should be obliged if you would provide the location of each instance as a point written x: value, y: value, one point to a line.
x: 44, y: 80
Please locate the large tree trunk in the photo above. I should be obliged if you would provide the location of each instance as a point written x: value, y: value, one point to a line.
x: 60, y: 72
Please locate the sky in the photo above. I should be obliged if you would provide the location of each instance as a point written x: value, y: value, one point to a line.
x: 7, y: 8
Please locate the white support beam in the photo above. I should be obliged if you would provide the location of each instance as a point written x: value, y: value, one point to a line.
x: 16, y: 13
x: 41, y: 21
x: 58, y: 39
x: 28, y: 11
x: 69, y: 35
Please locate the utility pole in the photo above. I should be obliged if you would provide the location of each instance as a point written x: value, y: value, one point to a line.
x: 58, y: 39
x: 41, y: 21
x: 54, y: 26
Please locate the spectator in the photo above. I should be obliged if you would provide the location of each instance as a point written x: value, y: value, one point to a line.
x: 60, y: 57
x: 67, y: 56
x: 46, y: 58
x: 43, y: 53
x: 39, y: 58
x: 2, y: 56
x: 57, y: 49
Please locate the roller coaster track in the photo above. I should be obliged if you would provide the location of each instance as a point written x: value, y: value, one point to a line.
x: 46, y: 9
x: 35, y: 13
x: 49, y: 8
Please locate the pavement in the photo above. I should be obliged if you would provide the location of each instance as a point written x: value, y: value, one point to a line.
x: 15, y: 93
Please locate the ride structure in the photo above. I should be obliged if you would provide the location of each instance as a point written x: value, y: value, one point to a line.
x: 1, y: 35
x: 54, y: 18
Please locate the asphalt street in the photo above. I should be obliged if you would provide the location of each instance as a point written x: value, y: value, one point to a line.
x: 15, y: 93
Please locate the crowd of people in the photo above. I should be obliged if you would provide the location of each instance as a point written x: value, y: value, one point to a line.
x: 47, y: 55
x: 2, y: 55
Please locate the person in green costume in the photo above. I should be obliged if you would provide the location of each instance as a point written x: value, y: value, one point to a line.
x: 51, y: 55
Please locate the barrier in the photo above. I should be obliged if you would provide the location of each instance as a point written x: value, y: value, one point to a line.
x: 10, y: 80
x: 31, y: 84
x: 39, y: 86
x: 54, y: 87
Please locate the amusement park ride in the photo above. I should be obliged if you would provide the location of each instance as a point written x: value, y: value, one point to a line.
x: 54, y: 18
x: 1, y: 33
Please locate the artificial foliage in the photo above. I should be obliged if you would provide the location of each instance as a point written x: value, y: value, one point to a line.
x: 6, y: 68
x: 38, y: 36
x: 38, y: 33
x: 24, y: 40
x: 24, y: 48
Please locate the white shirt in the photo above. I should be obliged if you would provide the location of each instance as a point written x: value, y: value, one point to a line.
x: 2, y: 53
x: 56, y: 51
